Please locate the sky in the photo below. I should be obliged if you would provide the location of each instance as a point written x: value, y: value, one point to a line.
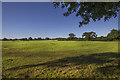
x: 41, y: 19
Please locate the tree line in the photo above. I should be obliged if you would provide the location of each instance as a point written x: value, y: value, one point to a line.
x: 87, y: 36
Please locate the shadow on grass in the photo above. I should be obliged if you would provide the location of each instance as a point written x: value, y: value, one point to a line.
x: 110, y: 70
x: 99, y: 58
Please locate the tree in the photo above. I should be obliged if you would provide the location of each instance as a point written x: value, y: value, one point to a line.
x: 47, y: 38
x: 24, y: 39
x: 16, y: 39
x: 89, y: 35
x: 90, y: 10
x: 60, y: 39
x: 71, y: 36
x: 113, y: 35
x: 30, y: 38
x: 4, y: 39
x: 80, y: 39
x: 101, y: 38
x: 39, y: 38
x: 35, y: 38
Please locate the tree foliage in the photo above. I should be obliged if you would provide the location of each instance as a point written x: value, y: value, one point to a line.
x: 113, y: 35
x: 4, y: 39
x: 101, y: 38
x: 30, y: 38
x: 39, y: 38
x: 47, y: 38
x: 90, y: 10
x: 89, y: 35
x: 71, y: 36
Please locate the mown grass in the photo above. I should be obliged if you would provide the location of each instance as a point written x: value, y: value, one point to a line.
x: 60, y: 59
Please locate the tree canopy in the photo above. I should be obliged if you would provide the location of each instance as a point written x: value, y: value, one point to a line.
x: 90, y: 10
x: 30, y: 38
x: 89, y: 35
x: 71, y: 36
x: 113, y: 35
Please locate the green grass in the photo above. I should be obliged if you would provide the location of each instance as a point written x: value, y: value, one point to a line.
x: 60, y: 59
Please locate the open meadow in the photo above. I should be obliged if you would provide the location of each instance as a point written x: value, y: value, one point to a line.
x: 60, y: 59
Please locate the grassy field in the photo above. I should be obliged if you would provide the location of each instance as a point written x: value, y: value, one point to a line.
x: 60, y: 59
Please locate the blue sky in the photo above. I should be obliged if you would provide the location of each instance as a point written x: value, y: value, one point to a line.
x: 38, y: 19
